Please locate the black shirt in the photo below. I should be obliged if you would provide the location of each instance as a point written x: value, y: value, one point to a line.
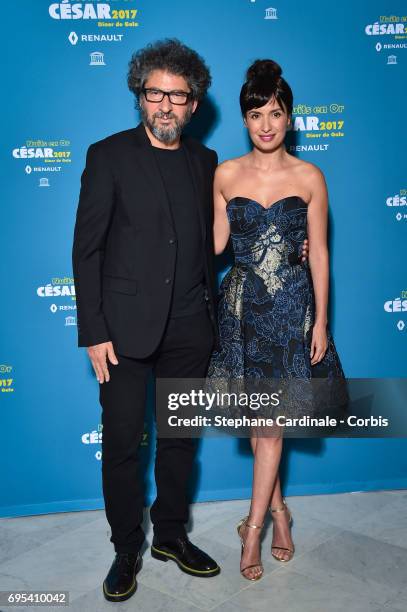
x: 188, y: 293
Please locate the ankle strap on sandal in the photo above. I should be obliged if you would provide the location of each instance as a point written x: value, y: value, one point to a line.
x: 283, y: 507
x: 251, y: 525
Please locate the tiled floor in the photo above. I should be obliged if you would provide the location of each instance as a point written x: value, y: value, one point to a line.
x: 351, y: 554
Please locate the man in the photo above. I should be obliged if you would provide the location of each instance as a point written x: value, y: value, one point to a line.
x: 142, y: 260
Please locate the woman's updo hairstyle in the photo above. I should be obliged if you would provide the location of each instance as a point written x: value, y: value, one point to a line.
x: 264, y: 81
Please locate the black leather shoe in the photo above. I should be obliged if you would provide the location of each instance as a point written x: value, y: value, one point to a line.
x: 189, y: 558
x: 120, y: 583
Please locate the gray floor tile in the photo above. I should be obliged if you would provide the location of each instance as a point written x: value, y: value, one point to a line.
x: 341, y: 509
x: 397, y: 603
x: 307, y: 533
x: 18, y: 535
x: 74, y: 561
x: 351, y: 553
x: 144, y: 599
x: 288, y: 591
x: 357, y: 564
x: 207, y: 515
x: 388, y: 524
x: 201, y: 592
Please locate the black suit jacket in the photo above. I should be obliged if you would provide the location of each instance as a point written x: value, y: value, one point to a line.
x: 125, y: 244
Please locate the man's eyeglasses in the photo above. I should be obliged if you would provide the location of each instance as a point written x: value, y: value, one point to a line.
x: 175, y: 97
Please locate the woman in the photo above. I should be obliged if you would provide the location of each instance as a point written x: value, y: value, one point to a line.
x: 273, y: 307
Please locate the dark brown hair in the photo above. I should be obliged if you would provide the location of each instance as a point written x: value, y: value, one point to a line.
x: 263, y: 82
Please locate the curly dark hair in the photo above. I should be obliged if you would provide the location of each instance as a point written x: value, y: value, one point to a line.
x: 172, y: 56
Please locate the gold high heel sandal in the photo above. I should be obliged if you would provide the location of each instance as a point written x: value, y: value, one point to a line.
x: 283, y: 508
x: 244, y: 523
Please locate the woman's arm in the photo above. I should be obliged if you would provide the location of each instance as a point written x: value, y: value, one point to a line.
x: 319, y: 260
x: 221, y: 228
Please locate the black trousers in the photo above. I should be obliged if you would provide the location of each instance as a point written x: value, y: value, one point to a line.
x: 183, y: 352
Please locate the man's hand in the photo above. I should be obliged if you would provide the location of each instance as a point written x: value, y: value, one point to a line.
x: 97, y: 355
x: 305, y: 250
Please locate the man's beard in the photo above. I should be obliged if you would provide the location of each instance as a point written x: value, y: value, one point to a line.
x: 166, y: 134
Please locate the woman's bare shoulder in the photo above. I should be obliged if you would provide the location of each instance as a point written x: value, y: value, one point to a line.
x: 308, y: 168
x: 310, y: 173
x: 230, y: 166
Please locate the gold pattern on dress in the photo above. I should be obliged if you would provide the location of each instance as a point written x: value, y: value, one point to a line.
x: 271, y: 260
x: 308, y: 322
x: 234, y: 292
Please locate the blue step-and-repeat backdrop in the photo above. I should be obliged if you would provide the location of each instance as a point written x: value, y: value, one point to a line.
x: 64, y: 87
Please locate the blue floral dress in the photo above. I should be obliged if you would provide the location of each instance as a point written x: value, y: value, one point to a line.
x: 266, y: 312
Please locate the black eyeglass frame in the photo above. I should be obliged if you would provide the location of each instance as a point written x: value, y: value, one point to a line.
x: 188, y: 95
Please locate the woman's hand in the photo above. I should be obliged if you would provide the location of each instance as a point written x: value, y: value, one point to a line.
x: 305, y: 251
x: 319, y: 343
